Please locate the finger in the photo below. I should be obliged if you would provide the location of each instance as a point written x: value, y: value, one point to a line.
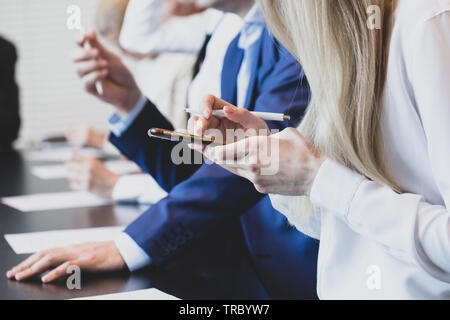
x: 199, y: 125
x: 80, y: 38
x: 230, y: 153
x: 191, y: 124
x: 24, y: 265
x: 207, y: 105
x: 208, y: 124
x: 91, y: 78
x: 211, y: 103
x: 40, y: 266
x: 57, y: 273
x: 245, y: 118
x: 203, y: 124
x: 86, y: 67
x: 80, y: 55
x: 91, y: 37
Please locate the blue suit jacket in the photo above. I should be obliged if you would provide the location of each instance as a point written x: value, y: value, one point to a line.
x: 207, y: 196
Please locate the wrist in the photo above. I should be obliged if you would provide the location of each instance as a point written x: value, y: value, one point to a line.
x: 99, y: 140
x: 130, y: 102
x: 117, y: 263
x: 316, y: 163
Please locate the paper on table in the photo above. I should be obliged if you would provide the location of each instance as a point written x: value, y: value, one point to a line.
x: 147, y: 294
x: 49, y: 172
x: 33, y: 242
x: 52, y: 201
x: 62, y: 154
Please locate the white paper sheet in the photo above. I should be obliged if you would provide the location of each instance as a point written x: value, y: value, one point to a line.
x: 52, y: 201
x: 62, y: 154
x: 147, y: 294
x: 32, y: 242
x: 49, y: 172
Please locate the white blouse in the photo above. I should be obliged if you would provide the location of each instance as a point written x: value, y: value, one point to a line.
x: 376, y: 244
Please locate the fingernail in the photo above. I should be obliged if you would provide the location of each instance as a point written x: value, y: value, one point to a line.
x: 9, y: 274
x: 44, y: 279
x: 228, y: 109
x: 206, y: 113
x: 18, y: 277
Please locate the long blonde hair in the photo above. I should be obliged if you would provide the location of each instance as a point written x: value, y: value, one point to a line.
x: 345, y: 62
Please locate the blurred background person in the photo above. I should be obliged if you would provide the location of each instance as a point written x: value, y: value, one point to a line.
x: 9, y: 96
x: 181, y: 28
x: 87, y: 174
x: 201, y: 28
x: 86, y: 136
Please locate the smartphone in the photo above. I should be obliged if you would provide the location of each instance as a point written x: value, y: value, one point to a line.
x: 182, y: 137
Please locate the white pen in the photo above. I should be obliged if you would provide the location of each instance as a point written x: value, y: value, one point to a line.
x: 98, y: 83
x: 268, y: 116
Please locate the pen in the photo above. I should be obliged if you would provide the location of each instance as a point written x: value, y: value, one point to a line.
x: 98, y: 84
x: 268, y: 116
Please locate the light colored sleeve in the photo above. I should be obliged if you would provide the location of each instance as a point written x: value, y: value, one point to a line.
x: 403, y: 224
x: 299, y: 213
x: 144, y: 32
x: 142, y: 19
x: 133, y: 255
x: 406, y: 225
x: 140, y: 188
x: 118, y: 124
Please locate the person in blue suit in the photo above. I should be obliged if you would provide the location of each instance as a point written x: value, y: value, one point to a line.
x: 258, y: 74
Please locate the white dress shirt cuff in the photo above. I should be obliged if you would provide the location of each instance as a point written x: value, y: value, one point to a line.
x: 140, y: 188
x: 119, y: 124
x: 299, y: 213
x: 132, y: 254
x: 280, y: 203
x: 325, y: 193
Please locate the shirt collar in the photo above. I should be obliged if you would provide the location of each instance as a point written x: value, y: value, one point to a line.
x: 254, y: 16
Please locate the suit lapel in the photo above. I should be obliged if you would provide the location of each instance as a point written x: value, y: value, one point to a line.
x: 231, y: 66
x: 256, y: 61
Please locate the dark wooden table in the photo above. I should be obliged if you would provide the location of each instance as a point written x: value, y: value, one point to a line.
x: 16, y: 179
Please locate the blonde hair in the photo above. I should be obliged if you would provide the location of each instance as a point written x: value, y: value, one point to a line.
x: 345, y: 62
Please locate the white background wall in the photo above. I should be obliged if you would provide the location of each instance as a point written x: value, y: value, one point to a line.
x: 52, y: 97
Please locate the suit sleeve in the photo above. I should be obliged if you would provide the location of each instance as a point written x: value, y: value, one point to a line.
x: 212, y: 195
x: 9, y: 96
x: 153, y: 155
